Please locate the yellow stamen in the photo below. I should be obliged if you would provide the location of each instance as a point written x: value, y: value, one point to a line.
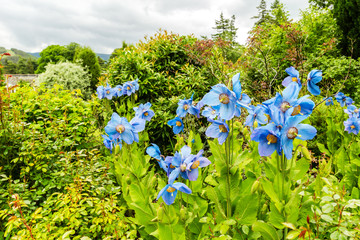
x: 170, y: 189
x: 195, y: 164
x: 352, y: 126
x: 224, y: 98
x: 120, y: 128
x: 186, y: 107
x: 178, y: 123
x: 294, y: 79
x: 296, y: 111
x: 271, y: 139
x: 223, y: 128
x: 146, y: 114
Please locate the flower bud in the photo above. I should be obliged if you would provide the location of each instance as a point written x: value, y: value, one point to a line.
x: 306, y: 153
x: 160, y: 212
x: 117, y: 149
x: 183, y: 213
x: 255, y: 186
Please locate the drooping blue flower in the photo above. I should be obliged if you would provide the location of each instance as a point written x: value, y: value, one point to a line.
x: 177, y: 163
x: 154, y: 151
x: 128, y: 88
x: 169, y: 192
x: 135, y: 83
x: 118, y: 90
x: 328, y: 101
x: 110, y: 143
x: 184, y: 107
x: 195, y: 108
x: 119, y: 127
x: 138, y: 125
x: 221, y: 95
x: 293, y: 77
x: 218, y: 129
x: 294, y: 129
x: 193, y: 164
x: 211, y: 112
x: 177, y: 124
x: 109, y: 92
x: 144, y: 111
x: 256, y: 114
x: 314, y: 77
x: 343, y: 100
x: 268, y: 138
x: 242, y: 99
x: 352, y: 111
x: 288, y: 98
x: 352, y: 125
x: 100, y: 90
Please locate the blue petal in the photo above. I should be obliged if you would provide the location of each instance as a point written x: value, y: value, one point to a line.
x: 313, y: 89
x: 169, y: 198
x: 306, y: 132
x: 127, y: 136
x: 213, y: 131
x: 291, y: 91
x: 185, y: 151
x: 292, y: 71
x: 211, y: 98
x: 173, y: 175
x: 181, y: 187
x: 154, y: 151
x: 288, y: 147
x: 227, y: 111
x: 236, y: 85
x: 266, y: 149
x: 193, y: 174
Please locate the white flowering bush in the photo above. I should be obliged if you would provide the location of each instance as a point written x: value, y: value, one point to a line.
x: 70, y: 75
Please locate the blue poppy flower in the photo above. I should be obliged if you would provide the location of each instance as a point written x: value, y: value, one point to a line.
x: 195, y: 108
x: 193, y: 164
x: 110, y: 143
x: 328, y: 101
x: 256, y: 114
x: 314, y: 77
x: 177, y: 124
x: 352, y: 125
x: 118, y: 91
x: 184, y: 107
x: 144, y: 111
x: 221, y: 95
x: 138, y: 125
x: 109, y: 92
x: 218, y: 129
x: 128, y: 88
x: 119, y: 127
x: 293, y: 77
x: 268, y: 138
x: 343, y: 100
x: 100, y: 90
x: 288, y: 98
x: 353, y: 111
x: 211, y: 112
x: 177, y: 163
x: 154, y: 151
x: 294, y: 129
x: 169, y: 192
x: 135, y: 83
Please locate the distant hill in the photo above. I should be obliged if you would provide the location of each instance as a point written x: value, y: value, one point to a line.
x: 103, y: 56
x: 15, y: 54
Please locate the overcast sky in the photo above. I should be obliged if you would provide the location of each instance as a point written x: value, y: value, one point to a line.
x: 32, y: 25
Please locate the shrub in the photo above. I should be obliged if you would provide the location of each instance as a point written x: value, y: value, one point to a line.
x: 70, y: 75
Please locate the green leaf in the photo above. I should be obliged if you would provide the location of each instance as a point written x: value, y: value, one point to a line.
x: 246, y: 209
x: 267, y: 231
x: 269, y: 190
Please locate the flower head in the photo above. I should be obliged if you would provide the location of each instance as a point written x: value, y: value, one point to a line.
x: 268, y: 138
x: 119, y: 127
x: 177, y: 124
x: 119, y: 91
x: 353, y: 111
x: 352, y: 125
x: 221, y: 96
x: 169, y: 192
x: 154, y: 151
x: 100, y: 90
x: 328, y: 101
x: 314, y: 77
x: 218, y: 129
x: 144, y: 111
x: 293, y: 77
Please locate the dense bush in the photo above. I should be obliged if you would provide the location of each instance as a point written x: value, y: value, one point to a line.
x: 69, y: 75
x: 169, y: 68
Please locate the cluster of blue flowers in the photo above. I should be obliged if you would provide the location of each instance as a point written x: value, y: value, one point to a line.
x: 352, y: 124
x: 182, y: 164
x: 120, y: 129
x: 280, y: 117
x: 185, y: 106
x: 108, y: 92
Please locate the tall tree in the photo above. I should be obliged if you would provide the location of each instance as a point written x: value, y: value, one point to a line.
x: 89, y: 60
x: 347, y: 14
x: 263, y: 14
x: 225, y: 29
x: 51, y: 54
x: 278, y: 13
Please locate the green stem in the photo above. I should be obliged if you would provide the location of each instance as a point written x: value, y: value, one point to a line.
x: 227, y: 159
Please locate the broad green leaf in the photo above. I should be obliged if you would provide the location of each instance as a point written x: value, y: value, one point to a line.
x: 246, y: 209
x: 267, y: 231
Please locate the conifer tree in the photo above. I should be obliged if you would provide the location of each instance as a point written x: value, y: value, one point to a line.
x: 263, y: 14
